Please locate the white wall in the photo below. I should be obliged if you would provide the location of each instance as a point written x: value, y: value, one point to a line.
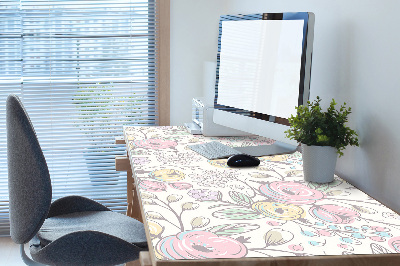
x: 356, y: 59
x: 194, y: 41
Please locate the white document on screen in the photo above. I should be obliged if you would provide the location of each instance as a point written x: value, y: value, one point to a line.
x: 260, y: 63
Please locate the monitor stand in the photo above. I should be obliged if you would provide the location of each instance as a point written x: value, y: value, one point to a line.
x: 265, y: 150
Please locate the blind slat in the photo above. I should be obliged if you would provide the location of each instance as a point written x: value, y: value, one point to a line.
x: 83, y: 70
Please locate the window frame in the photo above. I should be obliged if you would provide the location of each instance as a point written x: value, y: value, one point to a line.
x: 163, y: 36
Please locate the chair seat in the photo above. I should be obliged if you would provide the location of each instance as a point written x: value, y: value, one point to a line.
x: 107, y: 222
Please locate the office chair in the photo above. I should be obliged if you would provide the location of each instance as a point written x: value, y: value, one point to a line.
x: 70, y: 231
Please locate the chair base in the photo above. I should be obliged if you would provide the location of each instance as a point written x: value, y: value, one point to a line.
x: 26, y: 259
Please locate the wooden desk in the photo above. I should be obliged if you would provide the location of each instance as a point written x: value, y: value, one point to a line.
x: 198, y: 211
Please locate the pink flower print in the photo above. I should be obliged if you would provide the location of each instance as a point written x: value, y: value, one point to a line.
x: 378, y: 228
x: 394, y: 243
x: 205, y: 194
x: 334, y: 214
x: 296, y: 247
x: 155, y: 144
x: 273, y: 223
x: 291, y: 192
x: 152, y: 186
x: 346, y: 247
x: 199, y: 245
x: 323, y: 233
x: 376, y: 233
x: 180, y: 185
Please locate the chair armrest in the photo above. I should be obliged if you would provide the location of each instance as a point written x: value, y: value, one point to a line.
x: 72, y: 204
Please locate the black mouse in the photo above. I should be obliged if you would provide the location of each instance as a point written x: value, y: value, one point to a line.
x: 240, y: 160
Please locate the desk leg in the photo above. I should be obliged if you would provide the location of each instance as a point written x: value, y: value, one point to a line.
x: 132, y: 197
x: 129, y: 192
x: 133, y: 263
x: 144, y: 260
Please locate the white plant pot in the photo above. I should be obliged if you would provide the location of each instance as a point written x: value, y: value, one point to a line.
x: 319, y: 163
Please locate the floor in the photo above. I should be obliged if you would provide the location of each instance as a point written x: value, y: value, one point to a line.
x: 9, y: 253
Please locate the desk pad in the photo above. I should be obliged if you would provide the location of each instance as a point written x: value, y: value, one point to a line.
x: 197, y: 208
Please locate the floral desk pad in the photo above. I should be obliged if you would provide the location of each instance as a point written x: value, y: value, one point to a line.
x: 197, y: 208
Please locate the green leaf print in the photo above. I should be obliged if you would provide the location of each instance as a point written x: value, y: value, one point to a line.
x: 232, y: 229
x: 237, y: 214
x: 240, y: 198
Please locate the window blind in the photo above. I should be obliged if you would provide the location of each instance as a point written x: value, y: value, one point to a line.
x: 83, y: 69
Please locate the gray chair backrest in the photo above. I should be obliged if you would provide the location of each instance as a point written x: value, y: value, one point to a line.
x: 29, y: 183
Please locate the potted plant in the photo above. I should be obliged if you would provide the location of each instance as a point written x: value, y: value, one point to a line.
x: 323, y: 135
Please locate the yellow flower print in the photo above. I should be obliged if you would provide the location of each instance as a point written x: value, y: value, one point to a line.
x: 158, y: 255
x: 277, y: 158
x: 279, y: 211
x: 131, y: 145
x: 131, y: 137
x: 168, y: 175
x: 154, y: 228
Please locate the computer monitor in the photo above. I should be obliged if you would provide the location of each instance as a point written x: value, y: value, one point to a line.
x: 263, y: 73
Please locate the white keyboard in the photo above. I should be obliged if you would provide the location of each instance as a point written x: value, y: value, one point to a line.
x: 214, y: 150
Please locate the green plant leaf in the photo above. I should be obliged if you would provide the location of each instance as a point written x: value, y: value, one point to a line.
x: 312, y: 126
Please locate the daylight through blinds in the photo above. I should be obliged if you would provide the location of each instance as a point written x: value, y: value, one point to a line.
x: 83, y: 69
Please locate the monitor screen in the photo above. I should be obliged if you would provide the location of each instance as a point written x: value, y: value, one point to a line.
x: 263, y: 71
